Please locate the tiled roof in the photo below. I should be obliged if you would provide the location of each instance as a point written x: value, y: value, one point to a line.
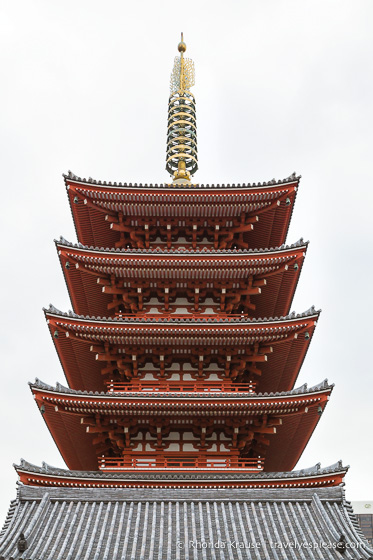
x: 142, y: 524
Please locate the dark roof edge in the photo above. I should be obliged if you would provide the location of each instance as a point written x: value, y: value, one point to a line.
x: 315, y: 470
x: 303, y: 389
x: 177, y: 251
x: 72, y: 177
x: 166, y: 320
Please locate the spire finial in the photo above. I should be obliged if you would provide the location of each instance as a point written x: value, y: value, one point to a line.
x: 181, y: 46
x: 182, y: 161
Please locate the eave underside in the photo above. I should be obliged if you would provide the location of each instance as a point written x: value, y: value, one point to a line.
x: 77, y: 449
x: 119, y: 524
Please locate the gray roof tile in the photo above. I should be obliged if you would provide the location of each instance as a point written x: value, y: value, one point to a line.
x: 139, y: 524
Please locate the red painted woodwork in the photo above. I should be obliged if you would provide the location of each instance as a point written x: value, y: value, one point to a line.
x: 181, y: 461
x: 180, y: 386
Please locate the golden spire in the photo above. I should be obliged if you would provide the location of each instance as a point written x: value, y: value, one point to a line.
x: 182, y: 160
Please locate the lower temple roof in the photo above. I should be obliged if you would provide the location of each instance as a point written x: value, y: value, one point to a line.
x: 142, y: 524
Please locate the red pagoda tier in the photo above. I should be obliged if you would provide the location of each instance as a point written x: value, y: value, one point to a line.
x: 264, y: 353
x: 192, y: 215
x: 180, y: 420
x: 173, y: 431
x: 109, y: 282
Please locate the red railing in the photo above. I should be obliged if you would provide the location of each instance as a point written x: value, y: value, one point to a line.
x: 160, y: 317
x: 180, y: 461
x: 180, y: 386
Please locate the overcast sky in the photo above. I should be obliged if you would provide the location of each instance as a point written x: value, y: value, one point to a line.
x: 281, y: 86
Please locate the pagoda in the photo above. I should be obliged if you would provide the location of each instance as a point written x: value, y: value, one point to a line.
x: 180, y: 420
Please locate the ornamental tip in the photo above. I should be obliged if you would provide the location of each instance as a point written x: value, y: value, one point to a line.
x: 181, y: 46
x: 182, y: 76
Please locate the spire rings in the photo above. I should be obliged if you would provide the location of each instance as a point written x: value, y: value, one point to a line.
x: 182, y: 133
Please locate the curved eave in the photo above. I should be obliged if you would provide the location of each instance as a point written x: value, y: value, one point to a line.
x: 78, y: 337
x: 275, y: 266
x: 299, y: 414
x: 52, y: 477
x: 96, y: 201
x: 66, y: 397
x: 190, y: 188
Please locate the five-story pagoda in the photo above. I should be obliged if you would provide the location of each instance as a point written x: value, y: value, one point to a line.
x: 180, y: 357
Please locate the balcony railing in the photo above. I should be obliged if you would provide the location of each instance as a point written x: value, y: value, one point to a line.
x: 180, y: 461
x: 161, y: 317
x: 180, y: 387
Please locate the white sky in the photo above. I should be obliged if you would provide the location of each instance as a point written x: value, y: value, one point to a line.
x: 280, y: 87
